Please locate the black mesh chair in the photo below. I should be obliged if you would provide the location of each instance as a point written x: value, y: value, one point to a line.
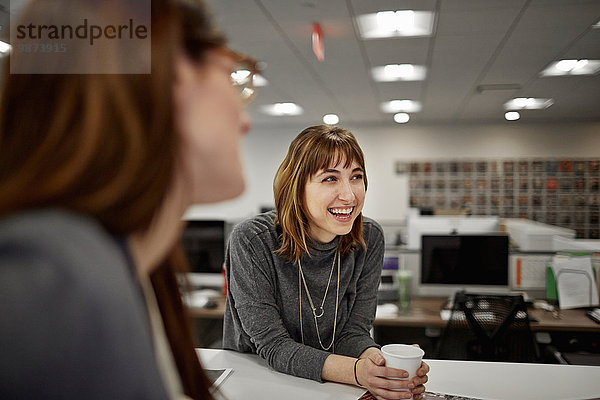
x: 488, y: 328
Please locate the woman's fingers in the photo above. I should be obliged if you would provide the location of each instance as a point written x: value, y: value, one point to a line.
x: 389, y: 372
x: 377, y: 359
x: 420, y: 380
x: 376, y: 380
x: 390, y: 394
x: 418, y: 389
x: 423, y: 369
x: 389, y: 384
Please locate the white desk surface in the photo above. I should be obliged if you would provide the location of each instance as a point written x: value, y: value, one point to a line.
x: 252, y: 378
x: 495, y: 380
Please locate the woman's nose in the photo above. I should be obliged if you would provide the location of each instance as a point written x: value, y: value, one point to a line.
x: 246, y: 123
x: 346, y: 193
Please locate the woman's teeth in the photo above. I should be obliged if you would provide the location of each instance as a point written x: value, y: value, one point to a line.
x: 342, y: 212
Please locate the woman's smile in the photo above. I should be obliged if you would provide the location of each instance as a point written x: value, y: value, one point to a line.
x: 342, y: 214
x: 334, y: 197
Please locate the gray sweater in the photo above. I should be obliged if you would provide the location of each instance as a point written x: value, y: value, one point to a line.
x: 73, y: 324
x: 262, y: 311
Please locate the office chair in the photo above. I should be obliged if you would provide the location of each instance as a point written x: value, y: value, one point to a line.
x: 488, y: 328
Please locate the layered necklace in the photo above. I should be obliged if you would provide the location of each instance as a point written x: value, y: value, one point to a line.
x: 318, y: 312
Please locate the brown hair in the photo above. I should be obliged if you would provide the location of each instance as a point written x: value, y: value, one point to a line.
x: 315, y: 148
x: 104, y: 144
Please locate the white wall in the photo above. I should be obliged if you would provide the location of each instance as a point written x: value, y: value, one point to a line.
x: 387, y: 195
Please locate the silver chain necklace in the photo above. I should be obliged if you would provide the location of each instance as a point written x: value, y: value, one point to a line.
x: 301, y: 281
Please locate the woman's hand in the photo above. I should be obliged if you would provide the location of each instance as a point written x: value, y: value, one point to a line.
x: 420, y: 380
x: 371, y: 372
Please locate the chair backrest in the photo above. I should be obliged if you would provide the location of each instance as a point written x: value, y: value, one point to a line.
x: 488, y: 328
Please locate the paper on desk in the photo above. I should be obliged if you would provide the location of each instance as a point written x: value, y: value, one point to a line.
x: 574, y: 281
x: 388, y: 310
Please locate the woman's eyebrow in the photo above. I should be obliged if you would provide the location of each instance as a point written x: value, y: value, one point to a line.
x: 329, y: 171
x: 335, y: 171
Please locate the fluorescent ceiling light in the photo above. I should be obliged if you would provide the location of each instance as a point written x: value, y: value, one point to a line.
x: 596, y: 25
x: 331, y: 119
x: 401, y: 23
x: 512, y: 116
x: 395, y: 106
x: 572, y: 67
x: 282, y: 109
x: 399, y: 72
x: 4, y: 47
x: 401, y: 118
x: 528, y: 103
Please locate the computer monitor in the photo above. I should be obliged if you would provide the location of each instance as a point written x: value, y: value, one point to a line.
x: 417, y: 226
x: 388, y: 285
x: 204, y: 243
x: 477, y: 263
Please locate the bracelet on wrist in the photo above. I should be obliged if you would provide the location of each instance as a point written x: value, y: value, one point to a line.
x: 355, y: 376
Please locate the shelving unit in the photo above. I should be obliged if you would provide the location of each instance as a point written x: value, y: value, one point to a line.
x: 561, y: 192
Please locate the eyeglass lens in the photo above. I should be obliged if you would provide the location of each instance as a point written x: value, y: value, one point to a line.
x: 243, y: 78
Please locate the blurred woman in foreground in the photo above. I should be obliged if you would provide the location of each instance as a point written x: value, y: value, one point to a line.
x: 97, y: 167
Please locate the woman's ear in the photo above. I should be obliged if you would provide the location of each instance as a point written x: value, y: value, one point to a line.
x: 184, y: 70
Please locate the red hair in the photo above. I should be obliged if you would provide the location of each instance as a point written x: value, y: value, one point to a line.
x: 105, y: 144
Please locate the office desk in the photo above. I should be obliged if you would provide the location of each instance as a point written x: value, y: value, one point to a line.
x: 253, y: 379
x: 425, y: 312
x: 209, y: 313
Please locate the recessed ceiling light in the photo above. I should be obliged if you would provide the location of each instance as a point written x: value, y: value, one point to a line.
x: 401, y: 23
x: 394, y: 106
x: 282, y: 109
x: 331, y: 119
x: 399, y: 72
x: 512, y: 116
x: 4, y: 47
x: 572, y: 67
x: 528, y: 103
x: 401, y: 118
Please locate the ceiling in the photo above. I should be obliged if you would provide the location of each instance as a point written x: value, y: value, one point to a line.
x: 498, y: 45
x: 475, y: 43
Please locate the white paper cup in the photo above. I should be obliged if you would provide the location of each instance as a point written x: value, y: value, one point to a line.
x: 403, y: 356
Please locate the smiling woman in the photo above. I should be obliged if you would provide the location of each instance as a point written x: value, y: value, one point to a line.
x: 333, y: 199
x: 303, y: 280
x: 314, y: 165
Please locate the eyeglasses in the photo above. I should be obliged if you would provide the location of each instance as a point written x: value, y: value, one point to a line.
x: 244, y: 71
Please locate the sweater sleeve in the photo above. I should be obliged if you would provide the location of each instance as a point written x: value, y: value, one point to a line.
x: 253, y: 287
x: 355, y: 337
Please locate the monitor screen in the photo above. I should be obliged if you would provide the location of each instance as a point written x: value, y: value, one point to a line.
x: 204, y: 244
x: 391, y: 262
x: 464, y: 260
x: 436, y: 225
